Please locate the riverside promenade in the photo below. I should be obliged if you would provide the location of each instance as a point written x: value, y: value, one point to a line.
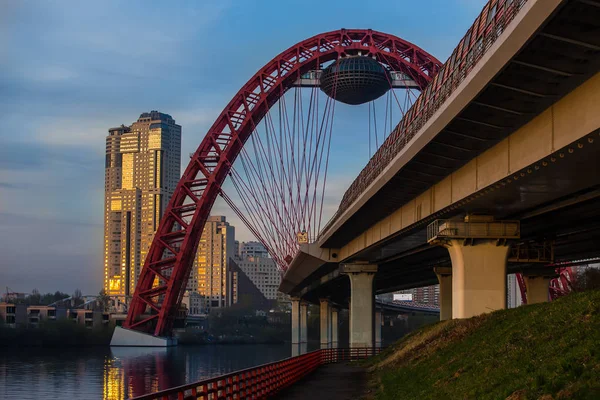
x: 329, y: 382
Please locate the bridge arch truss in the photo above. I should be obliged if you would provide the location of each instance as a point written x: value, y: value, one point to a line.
x: 166, y: 270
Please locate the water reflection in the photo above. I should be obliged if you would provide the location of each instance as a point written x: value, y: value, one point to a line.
x: 118, y: 373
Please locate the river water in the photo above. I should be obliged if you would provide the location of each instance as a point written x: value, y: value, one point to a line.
x: 119, y: 373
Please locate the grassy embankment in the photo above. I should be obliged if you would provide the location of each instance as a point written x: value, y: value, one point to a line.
x: 544, y: 351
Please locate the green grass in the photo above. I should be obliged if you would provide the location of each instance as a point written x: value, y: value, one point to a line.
x: 543, y: 351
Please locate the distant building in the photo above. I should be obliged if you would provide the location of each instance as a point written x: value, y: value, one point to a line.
x: 211, y: 276
x: 195, y: 303
x: 142, y: 169
x: 8, y: 314
x: 263, y: 273
x: 252, y: 249
x: 89, y: 318
x: 429, y: 295
x: 14, y: 315
x: 249, y: 295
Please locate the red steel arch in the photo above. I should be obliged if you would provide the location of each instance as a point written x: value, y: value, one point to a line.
x: 163, y: 279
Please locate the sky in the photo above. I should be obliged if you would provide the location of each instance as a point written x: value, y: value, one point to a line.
x: 69, y: 70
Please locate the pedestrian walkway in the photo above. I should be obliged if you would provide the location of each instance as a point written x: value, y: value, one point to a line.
x: 329, y: 382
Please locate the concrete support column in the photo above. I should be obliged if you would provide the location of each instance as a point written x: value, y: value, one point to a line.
x: 303, y: 322
x: 478, y: 277
x: 361, y: 303
x: 444, y: 276
x: 325, y: 318
x: 537, y: 288
x: 334, y: 327
x: 295, y: 320
x: 378, y: 324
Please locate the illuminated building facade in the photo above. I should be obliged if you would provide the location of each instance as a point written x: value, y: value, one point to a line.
x: 211, y: 276
x: 141, y: 171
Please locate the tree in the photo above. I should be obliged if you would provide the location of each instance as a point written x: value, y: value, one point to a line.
x: 77, y: 298
x: 587, y: 279
x: 34, y: 298
x: 103, y: 300
x: 58, y: 296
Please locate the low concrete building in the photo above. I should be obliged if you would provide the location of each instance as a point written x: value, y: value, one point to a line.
x: 8, y: 314
x: 196, y: 303
x: 36, y: 314
x: 89, y: 318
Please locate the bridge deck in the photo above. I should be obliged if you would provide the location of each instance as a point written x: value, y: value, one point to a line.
x: 329, y: 382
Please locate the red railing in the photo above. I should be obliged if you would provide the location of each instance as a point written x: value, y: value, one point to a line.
x: 262, y: 381
x: 491, y: 22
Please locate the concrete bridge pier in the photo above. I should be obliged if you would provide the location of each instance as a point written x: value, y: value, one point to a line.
x: 478, y: 276
x: 295, y: 320
x: 334, y: 327
x: 378, y: 324
x: 361, y: 303
x: 303, y: 322
x: 537, y: 284
x: 444, y: 276
x: 325, y: 319
x: 299, y: 320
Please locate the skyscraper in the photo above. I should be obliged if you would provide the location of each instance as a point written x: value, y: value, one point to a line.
x: 141, y: 171
x: 263, y: 273
x: 252, y: 249
x: 211, y: 275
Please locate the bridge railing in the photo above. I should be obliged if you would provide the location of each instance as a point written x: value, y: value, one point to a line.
x: 489, y: 25
x: 263, y: 380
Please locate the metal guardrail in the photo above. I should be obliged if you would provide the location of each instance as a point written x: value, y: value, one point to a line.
x: 261, y: 381
x: 456, y: 229
x: 489, y: 25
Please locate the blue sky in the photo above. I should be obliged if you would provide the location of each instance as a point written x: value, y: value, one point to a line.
x: 69, y: 70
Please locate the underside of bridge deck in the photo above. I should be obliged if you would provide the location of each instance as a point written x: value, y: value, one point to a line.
x: 556, y: 198
x: 571, y: 222
x: 563, y: 53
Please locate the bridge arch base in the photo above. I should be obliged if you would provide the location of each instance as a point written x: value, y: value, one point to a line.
x: 123, y: 337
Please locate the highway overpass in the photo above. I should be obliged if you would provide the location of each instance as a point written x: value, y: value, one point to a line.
x: 499, y: 157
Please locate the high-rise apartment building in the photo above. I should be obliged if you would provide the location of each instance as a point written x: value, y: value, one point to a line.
x: 211, y: 275
x: 142, y: 168
x: 263, y: 273
x: 429, y: 295
x: 252, y: 249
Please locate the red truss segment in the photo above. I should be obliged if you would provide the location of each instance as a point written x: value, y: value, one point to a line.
x: 162, y: 281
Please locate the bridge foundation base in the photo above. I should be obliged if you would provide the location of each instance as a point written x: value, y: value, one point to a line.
x: 130, y: 338
x: 478, y: 277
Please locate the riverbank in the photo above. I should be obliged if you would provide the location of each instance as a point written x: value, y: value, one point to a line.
x: 542, y: 351
x: 65, y: 334
x: 54, y: 334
